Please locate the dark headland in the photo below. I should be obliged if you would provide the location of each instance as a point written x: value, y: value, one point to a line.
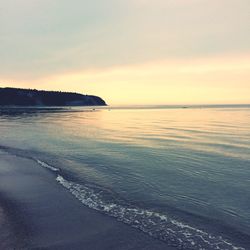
x: 32, y: 97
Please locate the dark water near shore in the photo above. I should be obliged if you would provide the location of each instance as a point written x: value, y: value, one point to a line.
x: 181, y: 175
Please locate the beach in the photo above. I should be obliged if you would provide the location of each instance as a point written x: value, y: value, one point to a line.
x: 41, y: 214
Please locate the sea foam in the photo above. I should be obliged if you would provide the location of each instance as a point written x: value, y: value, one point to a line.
x: 155, y: 224
x: 46, y: 165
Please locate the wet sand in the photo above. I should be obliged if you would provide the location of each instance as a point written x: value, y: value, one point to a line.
x: 41, y: 214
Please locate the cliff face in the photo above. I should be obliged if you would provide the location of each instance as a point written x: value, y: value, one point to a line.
x: 27, y: 97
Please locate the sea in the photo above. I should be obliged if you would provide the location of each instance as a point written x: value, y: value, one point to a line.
x: 180, y: 174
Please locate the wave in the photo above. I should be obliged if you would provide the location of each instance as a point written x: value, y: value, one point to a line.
x: 155, y: 224
x: 46, y: 165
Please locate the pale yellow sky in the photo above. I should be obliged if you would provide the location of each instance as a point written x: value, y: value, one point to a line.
x: 129, y: 52
x: 213, y: 80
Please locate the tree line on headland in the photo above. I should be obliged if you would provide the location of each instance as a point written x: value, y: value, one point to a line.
x: 33, y: 97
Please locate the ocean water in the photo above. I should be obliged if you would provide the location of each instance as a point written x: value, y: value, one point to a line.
x: 181, y: 175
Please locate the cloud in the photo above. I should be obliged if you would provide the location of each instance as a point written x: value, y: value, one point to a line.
x: 41, y: 38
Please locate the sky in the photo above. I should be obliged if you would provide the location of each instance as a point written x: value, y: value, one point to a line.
x: 129, y: 51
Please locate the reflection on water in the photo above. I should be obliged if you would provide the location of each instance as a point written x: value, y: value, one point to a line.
x: 25, y: 112
x: 191, y: 163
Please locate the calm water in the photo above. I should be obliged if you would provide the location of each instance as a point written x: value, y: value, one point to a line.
x: 181, y: 175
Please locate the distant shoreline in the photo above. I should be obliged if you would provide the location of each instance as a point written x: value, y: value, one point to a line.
x: 33, y: 98
x: 133, y: 106
x: 179, y: 106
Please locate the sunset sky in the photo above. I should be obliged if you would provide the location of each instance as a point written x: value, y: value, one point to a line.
x: 129, y: 51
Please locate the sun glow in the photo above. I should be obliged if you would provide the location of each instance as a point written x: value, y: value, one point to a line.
x: 209, y: 80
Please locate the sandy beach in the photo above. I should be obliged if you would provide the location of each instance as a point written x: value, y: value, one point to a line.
x: 38, y: 213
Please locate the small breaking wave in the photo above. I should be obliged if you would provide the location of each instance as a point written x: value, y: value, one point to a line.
x: 46, y: 165
x: 24, y: 154
x: 155, y: 224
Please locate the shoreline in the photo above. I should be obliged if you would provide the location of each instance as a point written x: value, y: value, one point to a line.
x: 41, y: 214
